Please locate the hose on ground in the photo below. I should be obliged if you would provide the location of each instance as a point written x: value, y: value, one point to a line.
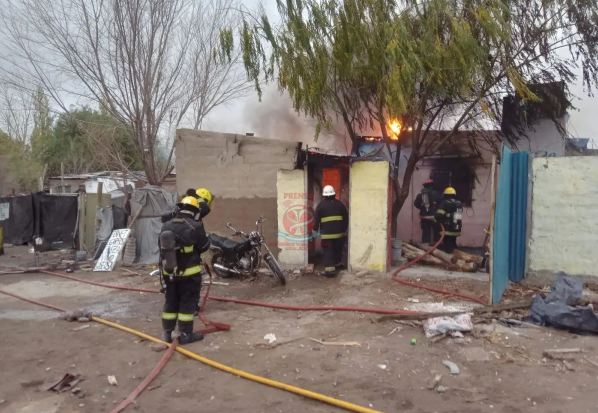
x: 240, y: 373
x: 425, y: 287
x: 246, y: 302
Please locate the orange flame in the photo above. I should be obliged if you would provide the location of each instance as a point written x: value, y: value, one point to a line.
x: 396, y: 127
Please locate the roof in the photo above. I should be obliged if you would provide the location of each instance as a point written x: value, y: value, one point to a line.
x: 578, y: 143
x: 108, y: 174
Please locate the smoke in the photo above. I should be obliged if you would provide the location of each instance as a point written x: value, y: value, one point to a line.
x: 275, y: 118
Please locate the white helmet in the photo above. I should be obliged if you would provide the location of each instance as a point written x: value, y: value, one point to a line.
x: 328, y: 191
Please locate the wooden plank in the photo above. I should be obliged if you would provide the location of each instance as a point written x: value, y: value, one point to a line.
x: 492, y: 210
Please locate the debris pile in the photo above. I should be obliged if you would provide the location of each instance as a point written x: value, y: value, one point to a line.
x: 457, y: 261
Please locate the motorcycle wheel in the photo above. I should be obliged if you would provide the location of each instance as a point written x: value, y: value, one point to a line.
x: 275, y: 268
x: 217, y: 259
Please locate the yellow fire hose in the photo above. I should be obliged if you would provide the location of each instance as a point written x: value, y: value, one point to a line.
x: 244, y: 374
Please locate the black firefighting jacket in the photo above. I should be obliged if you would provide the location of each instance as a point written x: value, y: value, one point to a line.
x: 191, y: 240
x: 332, y: 219
x: 450, y: 214
x: 427, y: 202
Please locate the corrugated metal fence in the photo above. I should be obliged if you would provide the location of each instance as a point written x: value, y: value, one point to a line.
x: 510, y: 222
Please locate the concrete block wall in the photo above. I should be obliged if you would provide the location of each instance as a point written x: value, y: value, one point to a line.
x: 368, y: 216
x: 564, y: 224
x: 241, y: 171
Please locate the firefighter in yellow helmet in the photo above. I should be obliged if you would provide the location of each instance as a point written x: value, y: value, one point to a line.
x: 450, y: 214
x: 205, y: 199
x: 182, y: 241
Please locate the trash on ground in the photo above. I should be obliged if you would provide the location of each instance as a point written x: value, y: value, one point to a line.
x: 560, y: 310
x: 454, y: 369
x: 440, y: 389
x: 337, y: 343
x: 412, y: 300
x: 382, y: 366
x: 67, y: 382
x: 83, y: 327
x: 361, y: 274
x: 271, y: 338
x: 154, y: 273
x: 434, y: 382
x: 440, y: 325
x: 562, y: 354
x: 413, y: 341
x: 112, y: 381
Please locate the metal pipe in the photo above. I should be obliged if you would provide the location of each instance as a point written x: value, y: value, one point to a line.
x: 226, y: 269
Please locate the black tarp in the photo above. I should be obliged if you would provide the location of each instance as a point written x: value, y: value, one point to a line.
x: 559, y: 308
x: 55, y: 220
x: 19, y: 226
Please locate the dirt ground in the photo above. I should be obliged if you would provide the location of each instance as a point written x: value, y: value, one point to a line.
x: 502, y: 370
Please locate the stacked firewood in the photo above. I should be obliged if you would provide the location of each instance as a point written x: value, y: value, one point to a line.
x: 457, y: 261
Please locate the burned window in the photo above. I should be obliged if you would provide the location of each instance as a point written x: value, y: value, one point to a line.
x: 457, y: 174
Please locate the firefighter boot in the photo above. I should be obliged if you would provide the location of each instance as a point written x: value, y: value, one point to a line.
x: 188, y: 338
x: 167, y: 336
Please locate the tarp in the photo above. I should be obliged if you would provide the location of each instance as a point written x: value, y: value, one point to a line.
x: 153, y: 201
x: 56, y: 220
x: 17, y: 219
x: 559, y: 308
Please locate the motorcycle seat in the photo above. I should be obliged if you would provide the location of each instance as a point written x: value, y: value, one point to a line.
x: 226, y: 244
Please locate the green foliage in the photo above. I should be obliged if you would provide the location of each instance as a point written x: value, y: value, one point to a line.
x: 21, y: 163
x: 71, y: 143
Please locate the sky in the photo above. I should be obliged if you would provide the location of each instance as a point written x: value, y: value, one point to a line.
x: 249, y: 115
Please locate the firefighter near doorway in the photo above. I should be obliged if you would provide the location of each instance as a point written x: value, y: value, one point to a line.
x: 182, y: 241
x: 428, y: 201
x: 332, y: 222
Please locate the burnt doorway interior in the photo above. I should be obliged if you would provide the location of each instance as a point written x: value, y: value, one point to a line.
x: 325, y: 170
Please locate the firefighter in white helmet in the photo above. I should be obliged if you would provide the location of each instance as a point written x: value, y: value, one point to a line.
x: 332, y: 221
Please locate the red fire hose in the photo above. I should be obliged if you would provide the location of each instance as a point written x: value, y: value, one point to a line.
x: 425, y: 287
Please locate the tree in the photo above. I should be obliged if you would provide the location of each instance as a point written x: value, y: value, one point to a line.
x: 153, y: 64
x: 419, y: 66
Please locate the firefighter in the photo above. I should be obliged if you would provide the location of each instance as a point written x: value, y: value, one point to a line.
x: 204, y: 205
x: 449, y: 214
x: 183, y: 240
x: 332, y: 220
x: 427, y: 201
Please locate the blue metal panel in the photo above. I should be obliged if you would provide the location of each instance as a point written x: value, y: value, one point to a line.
x: 502, y: 228
x: 510, y: 222
x: 519, y: 183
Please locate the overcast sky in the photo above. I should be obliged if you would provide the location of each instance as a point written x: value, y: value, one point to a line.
x: 245, y: 115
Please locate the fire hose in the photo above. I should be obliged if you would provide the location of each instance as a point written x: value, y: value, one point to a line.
x: 190, y: 354
x: 425, y: 287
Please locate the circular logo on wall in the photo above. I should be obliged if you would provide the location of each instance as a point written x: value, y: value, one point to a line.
x: 298, y: 221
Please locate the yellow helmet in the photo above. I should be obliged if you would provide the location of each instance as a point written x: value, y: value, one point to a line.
x: 205, y: 194
x: 450, y: 191
x: 189, y: 201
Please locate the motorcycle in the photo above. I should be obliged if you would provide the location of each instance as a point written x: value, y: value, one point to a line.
x: 243, y: 258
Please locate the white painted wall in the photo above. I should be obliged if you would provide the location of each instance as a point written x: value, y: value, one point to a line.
x: 295, y: 212
x: 544, y: 140
x: 564, y: 215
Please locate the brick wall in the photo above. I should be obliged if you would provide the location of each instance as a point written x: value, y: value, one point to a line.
x: 241, y: 173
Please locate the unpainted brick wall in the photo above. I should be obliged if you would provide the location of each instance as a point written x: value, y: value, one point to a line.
x: 241, y: 173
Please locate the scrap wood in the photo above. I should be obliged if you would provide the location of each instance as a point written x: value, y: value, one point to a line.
x: 271, y: 346
x: 337, y: 343
x: 476, y: 311
x: 586, y: 358
x: 562, y: 354
x: 439, y: 338
x: 434, y: 382
x: 568, y: 365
